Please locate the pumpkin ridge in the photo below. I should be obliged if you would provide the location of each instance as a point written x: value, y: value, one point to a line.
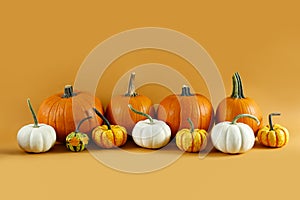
x: 60, y: 112
x: 49, y: 108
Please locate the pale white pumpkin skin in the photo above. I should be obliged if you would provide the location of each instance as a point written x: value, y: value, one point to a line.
x: 151, y: 136
x: 232, y: 138
x: 36, y: 140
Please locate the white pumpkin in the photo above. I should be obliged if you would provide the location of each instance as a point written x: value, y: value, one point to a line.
x: 150, y: 133
x: 36, y: 138
x: 233, y: 137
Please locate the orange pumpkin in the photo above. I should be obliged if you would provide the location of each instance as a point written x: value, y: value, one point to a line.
x: 63, y: 111
x: 117, y: 111
x: 237, y: 104
x: 176, y: 109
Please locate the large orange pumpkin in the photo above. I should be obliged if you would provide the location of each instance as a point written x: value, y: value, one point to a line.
x: 176, y: 109
x: 117, y: 111
x: 237, y: 104
x: 63, y: 111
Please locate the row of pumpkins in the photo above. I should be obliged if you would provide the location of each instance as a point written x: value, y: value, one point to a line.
x: 73, y: 117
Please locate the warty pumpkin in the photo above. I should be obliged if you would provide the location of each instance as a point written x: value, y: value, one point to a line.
x: 64, y: 110
x: 237, y: 104
x: 117, y: 111
x: 107, y: 135
x: 175, y: 109
x: 273, y: 135
x: 36, y: 138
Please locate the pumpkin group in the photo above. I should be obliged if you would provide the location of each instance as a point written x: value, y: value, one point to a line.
x: 117, y: 111
x: 107, y: 135
x: 175, y: 109
x: 237, y: 104
x: 63, y: 111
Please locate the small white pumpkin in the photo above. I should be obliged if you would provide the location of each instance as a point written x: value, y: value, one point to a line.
x: 150, y: 133
x: 233, y: 137
x: 36, y: 138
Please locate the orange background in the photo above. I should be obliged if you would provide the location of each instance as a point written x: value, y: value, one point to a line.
x: 44, y: 43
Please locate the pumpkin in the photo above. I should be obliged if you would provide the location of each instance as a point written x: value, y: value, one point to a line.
x: 36, y: 138
x: 77, y: 141
x: 191, y: 140
x: 237, y: 104
x: 150, y: 133
x: 175, y: 109
x: 233, y: 137
x: 117, y: 111
x: 107, y: 135
x: 273, y: 135
x: 64, y: 110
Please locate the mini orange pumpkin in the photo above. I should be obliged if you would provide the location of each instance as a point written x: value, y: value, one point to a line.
x: 117, y: 111
x: 237, y: 104
x: 63, y: 111
x: 175, y: 109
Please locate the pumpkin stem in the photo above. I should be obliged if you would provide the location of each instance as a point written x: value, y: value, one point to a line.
x: 185, y: 91
x: 80, y: 122
x: 245, y: 115
x: 141, y: 113
x: 36, y: 124
x: 103, y: 118
x: 68, y: 91
x: 131, y: 88
x: 270, y: 120
x: 237, y: 87
x: 191, y: 125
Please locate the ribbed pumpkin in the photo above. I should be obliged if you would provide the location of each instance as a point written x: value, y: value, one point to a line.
x: 107, y: 135
x: 175, y: 109
x: 63, y: 111
x: 117, y: 111
x: 237, y: 104
x: 273, y: 135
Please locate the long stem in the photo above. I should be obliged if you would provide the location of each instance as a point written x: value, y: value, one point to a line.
x: 68, y: 92
x: 237, y: 87
x: 245, y: 115
x: 191, y: 125
x: 103, y: 118
x: 131, y: 88
x: 81, y: 121
x: 141, y: 113
x: 185, y: 91
x: 36, y: 124
x: 270, y: 120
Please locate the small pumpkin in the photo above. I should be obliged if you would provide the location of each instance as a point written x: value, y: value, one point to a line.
x: 117, y: 111
x: 273, y: 135
x: 77, y: 141
x: 107, y: 135
x: 175, y: 109
x: 36, y: 138
x: 237, y: 104
x: 233, y: 137
x: 64, y: 110
x: 150, y: 133
x: 191, y: 140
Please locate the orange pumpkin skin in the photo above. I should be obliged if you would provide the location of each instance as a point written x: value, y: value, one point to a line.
x: 176, y: 109
x: 117, y: 111
x: 63, y: 111
x: 237, y: 104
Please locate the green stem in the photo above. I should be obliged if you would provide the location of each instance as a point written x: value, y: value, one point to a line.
x: 131, y: 88
x: 270, y: 120
x: 185, y: 91
x: 68, y: 92
x: 245, y: 115
x: 141, y: 113
x: 80, y: 122
x: 36, y: 124
x: 103, y: 118
x: 191, y: 125
x: 237, y: 87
